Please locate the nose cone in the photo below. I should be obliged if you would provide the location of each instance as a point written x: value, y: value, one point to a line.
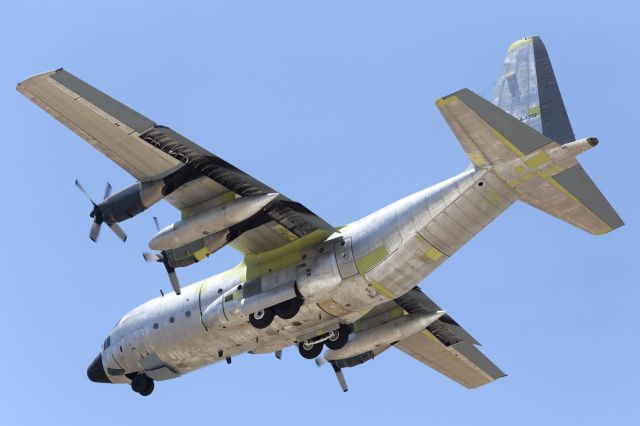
x: 96, y: 372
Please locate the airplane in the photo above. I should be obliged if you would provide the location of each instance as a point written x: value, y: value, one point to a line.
x: 353, y: 289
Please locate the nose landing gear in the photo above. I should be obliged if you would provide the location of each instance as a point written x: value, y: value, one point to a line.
x: 142, y: 384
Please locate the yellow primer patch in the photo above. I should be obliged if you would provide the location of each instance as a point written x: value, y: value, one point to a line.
x: 508, y: 144
x: 553, y: 170
x: 604, y: 230
x: 519, y: 43
x: 288, y: 235
x: 527, y: 176
x: 537, y: 160
x: 430, y: 336
x: 519, y: 170
x: 477, y: 158
x: 446, y: 101
x: 492, y: 197
x: 366, y: 263
x: 534, y: 110
x: 433, y: 254
x: 333, y: 308
x: 201, y: 254
x: 281, y: 257
x: 382, y: 290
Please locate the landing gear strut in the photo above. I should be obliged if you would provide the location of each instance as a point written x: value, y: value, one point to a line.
x: 142, y: 384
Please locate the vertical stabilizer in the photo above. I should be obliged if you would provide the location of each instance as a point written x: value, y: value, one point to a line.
x: 528, y: 90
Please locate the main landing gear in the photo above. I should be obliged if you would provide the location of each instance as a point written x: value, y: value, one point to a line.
x: 333, y: 340
x: 142, y: 384
x: 285, y: 310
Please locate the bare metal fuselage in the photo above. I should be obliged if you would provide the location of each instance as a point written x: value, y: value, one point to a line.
x: 343, y: 276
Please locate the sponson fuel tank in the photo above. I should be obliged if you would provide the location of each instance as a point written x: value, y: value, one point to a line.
x: 210, y: 221
x: 384, y: 334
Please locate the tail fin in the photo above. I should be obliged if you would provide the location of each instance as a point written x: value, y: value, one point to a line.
x: 543, y: 173
x: 528, y: 90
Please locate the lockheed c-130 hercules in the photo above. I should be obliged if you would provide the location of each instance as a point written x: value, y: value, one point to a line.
x: 303, y: 281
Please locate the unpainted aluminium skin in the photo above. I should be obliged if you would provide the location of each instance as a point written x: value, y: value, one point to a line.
x: 350, y: 290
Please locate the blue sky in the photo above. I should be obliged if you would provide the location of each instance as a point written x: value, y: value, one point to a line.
x: 323, y: 101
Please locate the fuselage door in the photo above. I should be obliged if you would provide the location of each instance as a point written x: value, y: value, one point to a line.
x: 344, y: 258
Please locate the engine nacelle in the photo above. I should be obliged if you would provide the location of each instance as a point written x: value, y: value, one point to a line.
x: 382, y: 335
x: 131, y: 201
x: 232, y: 308
x: 211, y: 221
x: 140, y: 196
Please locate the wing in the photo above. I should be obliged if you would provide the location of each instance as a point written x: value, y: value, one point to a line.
x: 147, y: 151
x: 445, y: 346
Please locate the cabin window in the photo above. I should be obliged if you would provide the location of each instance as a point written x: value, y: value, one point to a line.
x: 188, y: 314
x: 155, y: 326
x: 172, y: 319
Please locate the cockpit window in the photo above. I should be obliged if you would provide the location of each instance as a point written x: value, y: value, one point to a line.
x: 107, y: 342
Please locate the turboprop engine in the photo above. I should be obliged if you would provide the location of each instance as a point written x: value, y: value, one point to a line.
x: 133, y: 200
x: 382, y: 335
x: 210, y: 221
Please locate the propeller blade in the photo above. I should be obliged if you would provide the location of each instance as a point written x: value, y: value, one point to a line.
x: 340, y: 377
x: 320, y: 361
x: 279, y: 354
x: 81, y: 188
x: 153, y: 257
x: 107, y: 191
x: 155, y: 220
x: 118, y: 231
x: 173, y: 277
x: 95, y: 231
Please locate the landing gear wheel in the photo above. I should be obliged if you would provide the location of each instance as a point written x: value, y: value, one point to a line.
x: 147, y: 391
x: 338, y: 338
x: 142, y: 384
x: 309, y: 351
x: 289, y: 308
x: 262, y: 319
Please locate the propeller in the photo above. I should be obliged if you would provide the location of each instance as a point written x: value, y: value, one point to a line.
x: 321, y: 361
x: 164, y: 259
x: 97, y: 216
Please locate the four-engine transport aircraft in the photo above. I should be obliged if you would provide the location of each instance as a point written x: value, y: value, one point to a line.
x: 303, y: 281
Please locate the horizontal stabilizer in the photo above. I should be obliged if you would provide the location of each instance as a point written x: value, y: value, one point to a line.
x: 544, y: 173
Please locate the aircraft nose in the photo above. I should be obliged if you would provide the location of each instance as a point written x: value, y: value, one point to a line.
x: 96, y: 372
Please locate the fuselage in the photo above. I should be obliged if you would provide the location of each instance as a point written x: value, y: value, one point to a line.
x: 340, y: 277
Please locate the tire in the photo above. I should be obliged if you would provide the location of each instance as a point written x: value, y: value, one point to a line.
x: 311, y: 353
x: 289, y: 308
x: 340, y: 340
x: 142, y: 384
x: 262, y: 319
x: 147, y: 391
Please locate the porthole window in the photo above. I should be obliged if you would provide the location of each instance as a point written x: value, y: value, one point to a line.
x: 155, y: 326
x: 188, y: 314
x: 172, y: 319
x: 219, y: 290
